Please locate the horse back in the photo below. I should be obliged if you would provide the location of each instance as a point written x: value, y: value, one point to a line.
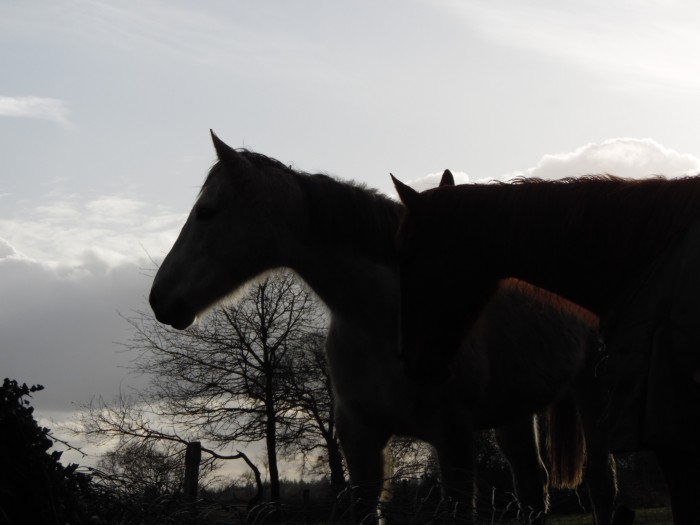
x: 531, y: 345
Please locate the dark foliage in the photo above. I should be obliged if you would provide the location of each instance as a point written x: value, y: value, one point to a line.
x: 34, y: 486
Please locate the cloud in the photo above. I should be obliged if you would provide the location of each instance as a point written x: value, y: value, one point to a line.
x: 624, y: 157
x: 67, y: 268
x: 609, y: 40
x: 60, y: 329
x: 76, y: 235
x: 52, y: 109
x: 6, y: 249
x: 182, y: 30
x: 68, y: 265
x: 59, y: 313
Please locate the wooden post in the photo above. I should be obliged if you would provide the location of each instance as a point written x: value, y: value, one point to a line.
x: 305, y: 505
x: 193, y: 457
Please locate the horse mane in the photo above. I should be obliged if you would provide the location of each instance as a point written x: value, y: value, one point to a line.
x: 522, y: 179
x: 257, y: 160
x: 263, y: 161
x: 637, y: 215
x: 607, y: 230
x: 337, y: 208
x: 350, y: 210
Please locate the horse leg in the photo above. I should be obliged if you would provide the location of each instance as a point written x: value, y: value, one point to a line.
x: 600, y: 475
x: 680, y: 464
x: 455, y: 453
x: 518, y: 443
x: 363, y: 448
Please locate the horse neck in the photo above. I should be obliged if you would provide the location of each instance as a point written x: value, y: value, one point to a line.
x: 347, y: 253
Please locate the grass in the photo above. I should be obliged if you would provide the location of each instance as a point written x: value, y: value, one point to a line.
x: 660, y: 516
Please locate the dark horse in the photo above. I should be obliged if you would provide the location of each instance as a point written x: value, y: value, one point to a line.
x: 627, y: 250
x: 254, y: 214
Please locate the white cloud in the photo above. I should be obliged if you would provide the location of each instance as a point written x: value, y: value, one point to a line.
x: 76, y: 235
x: 624, y: 157
x: 67, y: 267
x: 52, y: 109
x: 6, y: 249
x: 623, y: 43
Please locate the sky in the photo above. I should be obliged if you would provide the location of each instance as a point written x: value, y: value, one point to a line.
x: 106, y: 106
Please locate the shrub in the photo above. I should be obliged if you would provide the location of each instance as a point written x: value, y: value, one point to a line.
x: 34, y: 486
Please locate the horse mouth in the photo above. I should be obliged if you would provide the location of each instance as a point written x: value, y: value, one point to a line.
x: 176, y: 314
x: 182, y: 324
x: 179, y: 321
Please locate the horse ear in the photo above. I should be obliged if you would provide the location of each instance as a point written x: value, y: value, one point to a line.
x: 447, y: 179
x: 225, y: 152
x: 408, y: 195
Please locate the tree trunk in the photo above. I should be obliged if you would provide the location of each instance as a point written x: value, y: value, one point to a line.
x: 335, y: 462
x: 271, y: 442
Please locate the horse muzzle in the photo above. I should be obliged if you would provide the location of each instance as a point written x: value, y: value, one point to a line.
x: 172, y: 312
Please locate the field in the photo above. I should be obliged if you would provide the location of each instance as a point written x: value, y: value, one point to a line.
x: 661, y: 516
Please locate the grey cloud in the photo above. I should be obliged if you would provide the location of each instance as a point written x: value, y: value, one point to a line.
x: 60, y: 328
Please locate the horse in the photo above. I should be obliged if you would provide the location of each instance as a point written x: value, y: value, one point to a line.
x: 254, y: 214
x: 623, y: 249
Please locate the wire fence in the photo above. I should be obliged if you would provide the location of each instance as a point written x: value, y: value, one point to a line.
x: 413, y: 497
x: 414, y: 501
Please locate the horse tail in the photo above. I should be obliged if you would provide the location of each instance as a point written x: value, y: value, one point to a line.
x: 387, y: 492
x: 566, y: 444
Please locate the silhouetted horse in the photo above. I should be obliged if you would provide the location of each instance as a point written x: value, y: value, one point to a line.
x: 254, y: 214
x: 629, y: 251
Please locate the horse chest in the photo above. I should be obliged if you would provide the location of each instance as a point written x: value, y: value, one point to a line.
x: 365, y: 369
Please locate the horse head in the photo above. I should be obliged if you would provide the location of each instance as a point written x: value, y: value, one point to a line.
x: 434, y: 316
x: 235, y: 231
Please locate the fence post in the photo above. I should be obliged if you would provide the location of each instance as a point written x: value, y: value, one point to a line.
x: 305, y: 498
x: 193, y: 457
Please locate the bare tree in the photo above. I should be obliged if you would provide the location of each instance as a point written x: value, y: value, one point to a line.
x: 311, y: 393
x: 144, y: 466
x: 250, y: 371
x: 145, y: 445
